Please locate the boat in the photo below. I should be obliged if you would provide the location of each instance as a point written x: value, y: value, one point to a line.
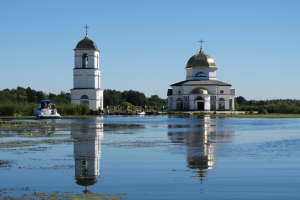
x: 138, y: 112
x: 46, y: 110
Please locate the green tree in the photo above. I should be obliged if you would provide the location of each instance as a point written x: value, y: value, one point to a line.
x: 157, y: 101
x: 112, y: 98
x: 134, y: 97
x: 241, y: 100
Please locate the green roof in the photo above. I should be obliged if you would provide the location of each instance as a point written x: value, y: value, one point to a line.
x: 86, y: 44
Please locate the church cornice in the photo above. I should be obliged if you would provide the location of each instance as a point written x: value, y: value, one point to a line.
x: 79, y: 49
x: 200, y: 83
x: 87, y: 89
x: 87, y: 68
x: 202, y: 67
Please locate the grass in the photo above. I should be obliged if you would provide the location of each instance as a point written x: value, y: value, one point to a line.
x: 271, y: 115
x: 27, y: 109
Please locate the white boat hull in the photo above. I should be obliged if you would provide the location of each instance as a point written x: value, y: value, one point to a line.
x: 141, y: 113
x: 46, y: 114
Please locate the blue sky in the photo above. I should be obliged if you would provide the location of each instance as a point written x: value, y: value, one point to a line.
x: 145, y: 45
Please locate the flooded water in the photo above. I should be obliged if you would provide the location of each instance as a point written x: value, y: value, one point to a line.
x: 151, y: 157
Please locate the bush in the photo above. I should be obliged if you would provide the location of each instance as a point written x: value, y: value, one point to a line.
x: 11, y: 109
x: 7, y: 110
x: 262, y: 111
x: 125, y: 104
x: 73, y: 109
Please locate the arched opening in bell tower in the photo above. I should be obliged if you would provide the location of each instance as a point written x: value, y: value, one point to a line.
x: 85, y: 60
x: 84, y: 100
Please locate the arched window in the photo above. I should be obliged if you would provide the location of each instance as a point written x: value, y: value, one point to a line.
x: 200, y: 74
x: 85, y: 60
x: 221, y: 104
x: 84, y: 97
x: 199, y: 98
x: 179, y: 104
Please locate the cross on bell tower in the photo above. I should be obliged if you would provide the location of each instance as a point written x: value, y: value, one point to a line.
x: 86, y: 27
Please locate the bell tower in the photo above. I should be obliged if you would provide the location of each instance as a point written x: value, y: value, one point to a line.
x: 87, y: 75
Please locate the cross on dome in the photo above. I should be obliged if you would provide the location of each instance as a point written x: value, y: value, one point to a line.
x: 201, y: 41
x: 86, y: 27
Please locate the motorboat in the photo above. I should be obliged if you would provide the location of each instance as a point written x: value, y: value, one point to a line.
x: 138, y: 112
x: 46, y: 110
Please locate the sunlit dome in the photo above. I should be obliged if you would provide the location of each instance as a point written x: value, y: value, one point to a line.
x: 201, y: 61
x: 199, y: 91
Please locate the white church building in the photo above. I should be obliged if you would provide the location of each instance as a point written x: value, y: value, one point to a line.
x: 201, y: 90
x: 86, y: 75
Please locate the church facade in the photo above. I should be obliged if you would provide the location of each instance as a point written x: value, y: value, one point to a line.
x: 201, y: 90
x: 86, y: 75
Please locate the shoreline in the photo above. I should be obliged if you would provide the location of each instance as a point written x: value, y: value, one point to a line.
x: 228, y: 114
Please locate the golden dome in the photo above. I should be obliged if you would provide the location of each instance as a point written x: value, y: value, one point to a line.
x: 199, y: 91
x: 201, y: 61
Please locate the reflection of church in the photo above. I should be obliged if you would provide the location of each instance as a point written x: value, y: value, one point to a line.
x: 87, y: 152
x: 200, y: 141
x: 201, y: 90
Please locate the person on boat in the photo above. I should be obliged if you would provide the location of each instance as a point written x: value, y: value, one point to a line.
x: 53, y: 106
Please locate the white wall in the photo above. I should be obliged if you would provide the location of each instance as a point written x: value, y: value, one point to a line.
x: 86, y: 78
x: 211, y: 74
x: 95, y: 97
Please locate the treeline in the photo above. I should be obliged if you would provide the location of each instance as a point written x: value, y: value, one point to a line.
x: 285, y: 106
x: 111, y: 97
x: 21, y: 101
x: 243, y: 102
x: 28, y: 95
x: 115, y: 98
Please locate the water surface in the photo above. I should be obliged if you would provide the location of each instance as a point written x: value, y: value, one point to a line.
x: 153, y: 157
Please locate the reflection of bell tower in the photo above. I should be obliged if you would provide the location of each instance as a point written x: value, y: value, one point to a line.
x: 87, y: 152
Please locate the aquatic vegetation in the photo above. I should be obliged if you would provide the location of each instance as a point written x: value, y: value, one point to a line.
x: 137, y: 144
x: 66, y: 195
x: 28, y: 143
